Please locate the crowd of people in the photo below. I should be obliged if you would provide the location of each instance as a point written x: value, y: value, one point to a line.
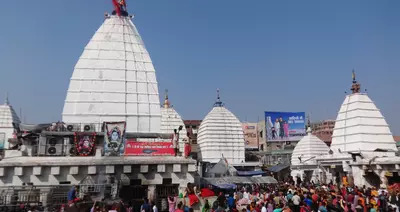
x: 289, y: 196
x: 304, y: 197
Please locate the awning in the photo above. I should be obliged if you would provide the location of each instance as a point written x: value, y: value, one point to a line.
x: 238, y: 180
x: 224, y: 181
x: 220, y: 183
x: 250, y: 173
x: 227, y: 186
x: 278, y: 167
x: 264, y: 180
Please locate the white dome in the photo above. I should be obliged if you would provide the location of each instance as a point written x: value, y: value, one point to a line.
x: 360, y: 127
x: 221, y: 134
x: 308, y: 148
x: 114, y: 80
x: 7, y: 118
x: 171, y: 120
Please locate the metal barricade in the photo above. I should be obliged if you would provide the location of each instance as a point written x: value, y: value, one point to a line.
x: 49, y: 197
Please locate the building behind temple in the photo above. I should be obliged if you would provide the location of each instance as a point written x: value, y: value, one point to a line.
x: 323, y: 130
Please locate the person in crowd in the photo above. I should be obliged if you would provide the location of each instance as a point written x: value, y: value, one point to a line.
x: 206, y: 207
x: 171, y: 203
x: 179, y: 207
x: 231, y: 202
x: 145, y: 206
x: 296, y: 202
x: 71, y: 196
x: 263, y: 209
x: 155, y: 209
x: 322, y: 207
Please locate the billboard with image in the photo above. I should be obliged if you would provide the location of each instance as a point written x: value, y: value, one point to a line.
x: 285, y: 126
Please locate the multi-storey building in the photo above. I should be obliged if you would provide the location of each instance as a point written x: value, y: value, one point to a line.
x: 323, y: 130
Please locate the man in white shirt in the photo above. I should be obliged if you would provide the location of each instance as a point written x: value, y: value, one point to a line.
x: 155, y: 209
x: 263, y: 209
x: 246, y: 195
x: 296, y: 202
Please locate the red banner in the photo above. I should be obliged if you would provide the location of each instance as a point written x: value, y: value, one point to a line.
x: 149, y: 148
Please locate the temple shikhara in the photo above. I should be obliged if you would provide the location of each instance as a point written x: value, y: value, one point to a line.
x: 362, y: 151
x: 221, y: 135
x: 114, y: 135
x: 117, y: 141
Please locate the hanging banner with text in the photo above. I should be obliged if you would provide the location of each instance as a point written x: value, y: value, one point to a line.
x: 149, y: 148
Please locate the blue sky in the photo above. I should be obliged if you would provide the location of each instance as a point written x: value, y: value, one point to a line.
x: 263, y: 55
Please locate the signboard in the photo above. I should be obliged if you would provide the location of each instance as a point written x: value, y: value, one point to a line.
x: 2, y: 140
x: 114, y: 138
x: 149, y: 148
x: 250, y: 135
x: 285, y: 126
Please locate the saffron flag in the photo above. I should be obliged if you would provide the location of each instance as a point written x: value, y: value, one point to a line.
x: 116, y: 6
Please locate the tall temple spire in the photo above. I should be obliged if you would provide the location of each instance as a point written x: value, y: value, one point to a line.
x: 7, y: 102
x: 166, y: 101
x: 218, y: 103
x: 355, y: 88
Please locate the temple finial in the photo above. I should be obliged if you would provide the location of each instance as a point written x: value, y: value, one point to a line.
x: 308, y: 126
x: 7, y: 102
x: 166, y: 101
x: 356, y: 87
x: 218, y: 103
x: 119, y: 8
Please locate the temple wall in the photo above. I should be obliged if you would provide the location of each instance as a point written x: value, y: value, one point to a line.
x: 151, y: 174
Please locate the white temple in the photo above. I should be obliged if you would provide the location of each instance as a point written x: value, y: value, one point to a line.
x: 303, y: 162
x: 360, y: 127
x: 221, y: 135
x: 363, y: 148
x: 7, y: 118
x: 171, y: 120
x: 114, y: 80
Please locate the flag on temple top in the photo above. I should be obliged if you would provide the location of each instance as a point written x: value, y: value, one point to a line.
x: 116, y: 6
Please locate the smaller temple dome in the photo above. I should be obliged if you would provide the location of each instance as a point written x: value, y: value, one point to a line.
x: 7, y: 118
x: 308, y: 148
x: 171, y: 120
x: 221, y: 135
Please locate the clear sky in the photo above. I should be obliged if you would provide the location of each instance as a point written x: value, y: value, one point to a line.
x: 263, y: 55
